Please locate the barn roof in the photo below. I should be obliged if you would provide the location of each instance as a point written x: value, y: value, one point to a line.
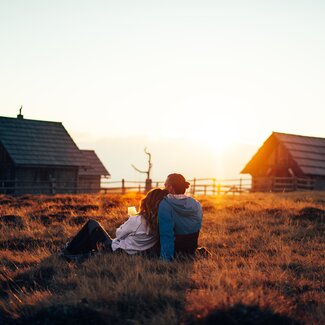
x: 95, y: 166
x: 38, y: 143
x: 307, y: 152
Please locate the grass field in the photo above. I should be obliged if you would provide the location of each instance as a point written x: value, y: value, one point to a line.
x: 267, y: 264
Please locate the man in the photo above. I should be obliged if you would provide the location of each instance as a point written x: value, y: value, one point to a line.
x: 180, y: 219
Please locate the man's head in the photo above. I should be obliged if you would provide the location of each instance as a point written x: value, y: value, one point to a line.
x: 176, y: 184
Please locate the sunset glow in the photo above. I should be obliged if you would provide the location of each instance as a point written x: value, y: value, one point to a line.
x: 202, y: 76
x: 162, y: 162
x: 218, y: 138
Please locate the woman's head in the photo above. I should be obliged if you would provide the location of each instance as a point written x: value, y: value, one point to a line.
x: 149, y: 207
x: 176, y: 184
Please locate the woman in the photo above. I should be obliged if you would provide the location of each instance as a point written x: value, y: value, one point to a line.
x: 138, y: 234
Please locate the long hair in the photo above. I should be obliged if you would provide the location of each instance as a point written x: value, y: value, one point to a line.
x: 149, y: 207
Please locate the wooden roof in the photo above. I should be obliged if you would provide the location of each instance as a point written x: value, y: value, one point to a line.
x: 307, y: 152
x: 95, y: 166
x: 38, y: 143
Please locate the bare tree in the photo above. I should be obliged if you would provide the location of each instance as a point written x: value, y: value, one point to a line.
x: 148, y: 171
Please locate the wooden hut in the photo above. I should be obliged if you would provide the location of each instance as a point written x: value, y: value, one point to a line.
x: 90, y: 175
x: 38, y: 157
x: 288, y: 162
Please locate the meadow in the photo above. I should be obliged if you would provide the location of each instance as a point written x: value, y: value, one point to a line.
x: 267, y: 264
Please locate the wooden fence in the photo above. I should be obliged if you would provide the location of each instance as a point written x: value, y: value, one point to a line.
x: 199, y: 186
x: 289, y: 184
x: 20, y: 187
x: 205, y: 186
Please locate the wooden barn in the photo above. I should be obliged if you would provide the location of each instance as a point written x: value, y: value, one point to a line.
x: 40, y: 157
x: 90, y: 175
x: 288, y: 162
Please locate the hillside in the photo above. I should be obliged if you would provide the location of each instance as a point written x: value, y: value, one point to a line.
x: 267, y: 264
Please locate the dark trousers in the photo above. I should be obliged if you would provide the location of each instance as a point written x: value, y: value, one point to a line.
x: 90, y: 237
x: 186, y: 244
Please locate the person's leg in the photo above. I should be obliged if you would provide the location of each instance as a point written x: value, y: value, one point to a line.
x: 88, y: 237
x: 77, y: 241
x: 99, y: 237
x: 153, y: 252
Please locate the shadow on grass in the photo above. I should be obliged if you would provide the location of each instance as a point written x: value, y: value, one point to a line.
x: 310, y: 214
x: 30, y: 243
x: 36, y: 277
x: 163, y: 300
x: 244, y: 315
x: 68, y: 314
x: 12, y: 221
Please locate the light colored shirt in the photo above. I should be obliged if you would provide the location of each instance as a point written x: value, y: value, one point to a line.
x: 134, y: 236
x: 177, y: 196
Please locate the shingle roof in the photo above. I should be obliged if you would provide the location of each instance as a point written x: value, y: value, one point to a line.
x: 96, y: 167
x: 32, y: 142
x: 307, y: 152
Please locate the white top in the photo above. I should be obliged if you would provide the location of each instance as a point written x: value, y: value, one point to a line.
x: 177, y: 196
x: 134, y: 236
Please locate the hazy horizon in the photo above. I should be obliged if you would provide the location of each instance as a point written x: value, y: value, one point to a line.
x: 168, y: 155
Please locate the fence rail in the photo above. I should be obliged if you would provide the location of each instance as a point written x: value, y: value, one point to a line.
x: 204, y: 186
x: 290, y: 184
x: 199, y: 186
x: 19, y: 187
x: 282, y: 184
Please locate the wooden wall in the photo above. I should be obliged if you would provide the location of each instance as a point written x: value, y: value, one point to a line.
x: 276, y: 163
x: 42, y: 180
x: 320, y: 183
x: 6, y: 166
x: 89, y: 184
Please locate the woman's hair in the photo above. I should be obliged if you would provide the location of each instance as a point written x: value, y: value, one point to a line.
x: 178, y: 182
x: 149, y: 207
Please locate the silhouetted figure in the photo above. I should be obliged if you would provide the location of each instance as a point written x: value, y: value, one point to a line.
x: 180, y: 220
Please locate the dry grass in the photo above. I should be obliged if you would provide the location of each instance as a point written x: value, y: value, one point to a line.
x: 267, y: 266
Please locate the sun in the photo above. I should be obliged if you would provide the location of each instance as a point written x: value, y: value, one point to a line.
x: 218, y: 138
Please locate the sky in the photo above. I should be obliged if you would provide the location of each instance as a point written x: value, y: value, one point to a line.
x: 201, y: 83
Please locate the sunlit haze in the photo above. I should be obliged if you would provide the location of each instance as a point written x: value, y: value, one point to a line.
x: 201, y: 83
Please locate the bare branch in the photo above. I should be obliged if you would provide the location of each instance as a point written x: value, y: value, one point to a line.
x: 138, y: 170
x: 149, y: 164
x: 147, y: 152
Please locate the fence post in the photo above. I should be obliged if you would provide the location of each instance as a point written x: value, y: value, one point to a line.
x: 193, y: 187
x: 148, y: 186
x: 240, y: 185
x: 205, y: 190
x: 214, y: 186
x: 139, y: 188
x: 123, y: 186
x: 157, y: 184
x: 219, y: 189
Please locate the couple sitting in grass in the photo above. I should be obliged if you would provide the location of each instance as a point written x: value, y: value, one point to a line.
x: 167, y: 225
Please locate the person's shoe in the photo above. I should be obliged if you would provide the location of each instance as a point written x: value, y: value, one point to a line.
x: 77, y: 258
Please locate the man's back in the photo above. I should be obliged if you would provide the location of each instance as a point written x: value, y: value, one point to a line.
x: 180, y: 220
